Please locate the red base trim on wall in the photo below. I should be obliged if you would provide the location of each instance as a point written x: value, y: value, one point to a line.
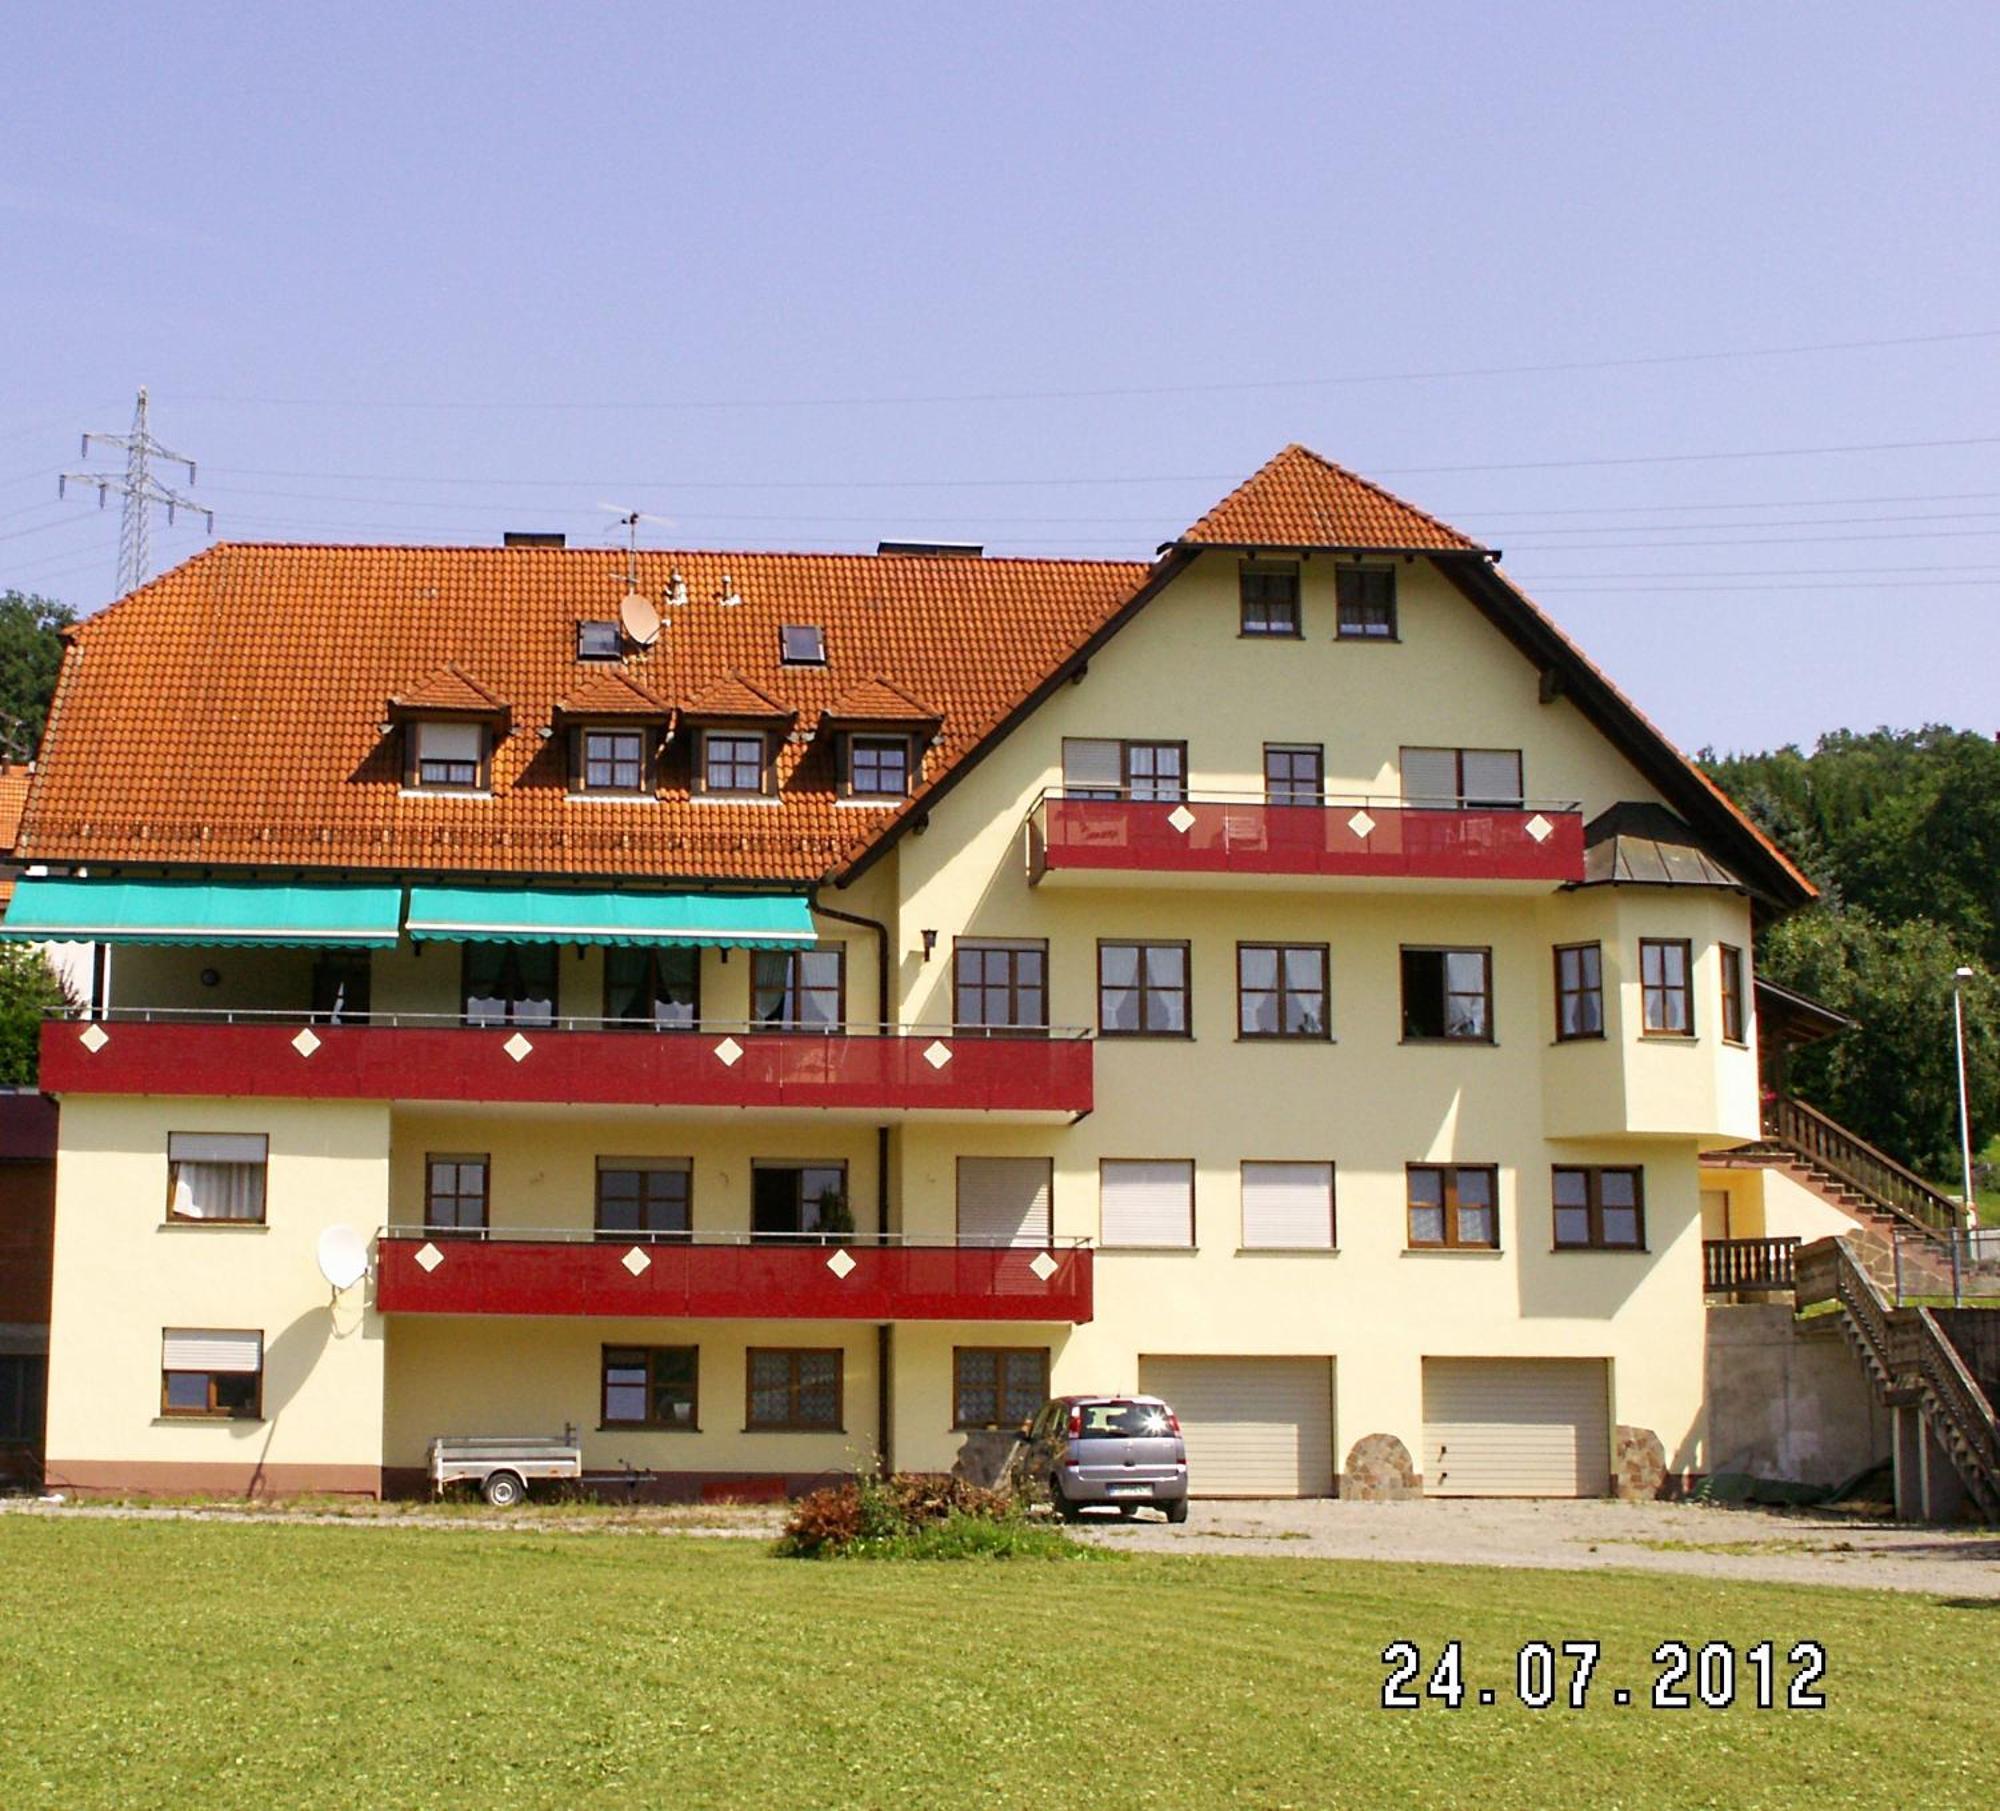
x: 220, y: 1478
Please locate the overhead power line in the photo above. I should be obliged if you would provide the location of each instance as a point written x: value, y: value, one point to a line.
x: 141, y: 491
x: 1108, y: 392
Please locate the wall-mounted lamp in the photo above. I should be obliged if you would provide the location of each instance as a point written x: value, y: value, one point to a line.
x: 930, y: 942
x: 211, y: 977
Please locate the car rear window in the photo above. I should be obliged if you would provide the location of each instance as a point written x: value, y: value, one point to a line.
x: 1122, y: 1421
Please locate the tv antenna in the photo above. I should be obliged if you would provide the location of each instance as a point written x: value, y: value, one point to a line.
x: 637, y: 612
x: 141, y: 491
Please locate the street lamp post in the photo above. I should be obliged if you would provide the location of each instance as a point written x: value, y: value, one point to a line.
x: 1958, y: 982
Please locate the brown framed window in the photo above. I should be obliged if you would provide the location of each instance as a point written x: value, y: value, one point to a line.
x: 1462, y: 779
x: 1365, y: 598
x: 212, y: 1372
x: 1454, y: 1205
x: 455, y: 1192
x: 657, y: 987
x: 999, y: 986
x: 342, y: 981
x: 507, y: 983
x: 609, y: 760
x: 799, y: 990
x: 447, y: 755
x: 1142, y: 990
x: 1734, y: 1027
x: 798, y: 1388
x: 1294, y: 773
x: 1156, y: 771
x: 878, y: 767
x: 653, y: 1386
x: 1447, y: 996
x: 998, y: 1386
x: 646, y: 1200
x: 1281, y: 991
x: 1665, y: 968
x: 1599, y: 1208
x: 733, y: 763
x: 799, y: 1201
x: 217, y: 1178
x: 1269, y: 595
x: 1579, y: 991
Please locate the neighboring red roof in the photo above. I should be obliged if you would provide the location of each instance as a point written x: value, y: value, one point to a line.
x: 13, y: 797
x: 733, y: 699
x: 450, y: 689
x: 1301, y: 500
x: 608, y: 693
x: 230, y: 711
x: 877, y: 701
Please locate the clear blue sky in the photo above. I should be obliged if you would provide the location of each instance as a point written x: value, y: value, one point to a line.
x: 797, y: 276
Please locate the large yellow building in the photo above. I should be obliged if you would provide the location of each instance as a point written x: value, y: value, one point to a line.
x: 1286, y: 977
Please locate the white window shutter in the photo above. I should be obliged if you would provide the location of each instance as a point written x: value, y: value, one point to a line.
x: 1146, y: 1204
x: 1430, y: 777
x: 1003, y: 1200
x: 1288, y: 1206
x: 217, y: 1147
x: 208, y: 1349
x: 1092, y: 766
x: 437, y: 741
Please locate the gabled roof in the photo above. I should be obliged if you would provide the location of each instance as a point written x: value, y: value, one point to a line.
x: 1299, y: 499
x: 450, y: 691
x: 13, y: 797
x: 877, y: 701
x: 733, y: 699
x: 609, y: 693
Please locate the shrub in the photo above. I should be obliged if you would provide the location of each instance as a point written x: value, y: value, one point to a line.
x: 910, y: 1516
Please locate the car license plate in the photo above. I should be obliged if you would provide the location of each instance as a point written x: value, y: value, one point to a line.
x: 1131, y: 1490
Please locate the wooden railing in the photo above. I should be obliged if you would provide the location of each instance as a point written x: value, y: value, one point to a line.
x: 1912, y: 1361
x: 1860, y: 1165
x: 1746, y: 1264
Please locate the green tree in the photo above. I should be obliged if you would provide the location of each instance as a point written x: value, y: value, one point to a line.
x: 30, y: 652
x: 28, y: 989
x: 1895, y: 1079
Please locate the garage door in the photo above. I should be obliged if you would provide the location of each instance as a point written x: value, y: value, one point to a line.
x: 1516, y: 1427
x: 1255, y: 1427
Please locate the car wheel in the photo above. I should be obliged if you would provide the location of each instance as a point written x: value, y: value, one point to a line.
x: 1066, y: 1511
x: 1176, y: 1510
x: 503, y: 1489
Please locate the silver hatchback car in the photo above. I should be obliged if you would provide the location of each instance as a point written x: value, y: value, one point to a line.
x: 1122, y: 1452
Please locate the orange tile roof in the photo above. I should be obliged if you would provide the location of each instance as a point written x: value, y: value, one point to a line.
x: 230, y: 711
x: 13, y: 797
x: 609, y: 693
x: 449, y: 689
x: 1299, y: 499
x: 733, y: 699
x: 877, y: 701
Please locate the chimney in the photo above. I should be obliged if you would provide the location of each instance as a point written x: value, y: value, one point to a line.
x: 525, y: 537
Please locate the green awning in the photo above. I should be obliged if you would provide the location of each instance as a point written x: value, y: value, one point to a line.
x: 771, y: 921
x: 220, y: 912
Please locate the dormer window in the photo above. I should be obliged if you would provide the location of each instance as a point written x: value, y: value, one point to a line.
x: 733, y: 763
x: 448, y: 756
x: 1269, y: 595
x: 802, y: 645
x: 610, y: 760
x: 598, y: 641
x: 878, y: 767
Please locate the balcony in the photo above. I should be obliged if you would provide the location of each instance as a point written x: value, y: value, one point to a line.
x: 420, y: 1057
x: 727, y: 1278
x: 1221, y: 839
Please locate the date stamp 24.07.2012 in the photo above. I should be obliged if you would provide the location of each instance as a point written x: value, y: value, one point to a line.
x: 1563, y: 1675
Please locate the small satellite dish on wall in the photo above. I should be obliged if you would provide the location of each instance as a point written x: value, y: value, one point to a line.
x: 343, y: 1256
x: 639, y: 619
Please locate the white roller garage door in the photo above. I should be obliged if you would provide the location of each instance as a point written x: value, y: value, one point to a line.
x: 1255, y: 1427
x: 1516, y: 1427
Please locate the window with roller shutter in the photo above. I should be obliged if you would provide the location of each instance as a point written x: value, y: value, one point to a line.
x: 1004, y: 1200
x: 214, y: 1372
x: 1288, y: 1207
x: 1146, y: 1204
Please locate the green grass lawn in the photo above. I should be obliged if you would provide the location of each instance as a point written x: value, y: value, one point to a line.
x: 159, y: 1663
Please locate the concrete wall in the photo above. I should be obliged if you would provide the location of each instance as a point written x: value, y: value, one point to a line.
x: 1788, y: 1399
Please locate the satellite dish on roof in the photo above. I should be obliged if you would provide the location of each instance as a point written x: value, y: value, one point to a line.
x: 640, y: 619
x: 343, y: 1256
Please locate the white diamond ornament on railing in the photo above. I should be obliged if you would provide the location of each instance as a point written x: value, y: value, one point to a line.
x: 1540, y: 828
x: 636, y: 1261
x: 305, y: 1043
x: 841, y: 1265
x: 1043, y: 1266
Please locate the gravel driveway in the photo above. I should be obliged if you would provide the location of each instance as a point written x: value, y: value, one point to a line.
x: 1776, y: 1546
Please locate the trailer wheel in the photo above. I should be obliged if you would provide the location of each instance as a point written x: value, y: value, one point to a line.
x: 503, y: 1489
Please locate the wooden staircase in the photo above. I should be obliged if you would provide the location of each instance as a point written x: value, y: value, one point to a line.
x: 1911, y: 1362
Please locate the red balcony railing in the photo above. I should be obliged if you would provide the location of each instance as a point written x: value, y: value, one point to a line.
x: 411, y: 1059
x: 551, y: 1273
x: 1252, y: 835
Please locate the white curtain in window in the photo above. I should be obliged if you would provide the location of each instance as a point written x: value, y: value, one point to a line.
x: 218, y: 1175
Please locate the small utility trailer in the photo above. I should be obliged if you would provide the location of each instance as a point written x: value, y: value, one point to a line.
x: 503, y: 1464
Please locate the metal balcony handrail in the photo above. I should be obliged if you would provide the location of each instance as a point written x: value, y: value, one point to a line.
x: 452, y: 1021
x: 744, y: 1240
x: 1144, y: 794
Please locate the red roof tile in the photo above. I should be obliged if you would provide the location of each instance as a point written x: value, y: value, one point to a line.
x: 609, y: 693
x: 13, y: 796
x: 1301, y: 500
x: 877, y: 701
x: 733, y: 699
x: 449, y: 689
